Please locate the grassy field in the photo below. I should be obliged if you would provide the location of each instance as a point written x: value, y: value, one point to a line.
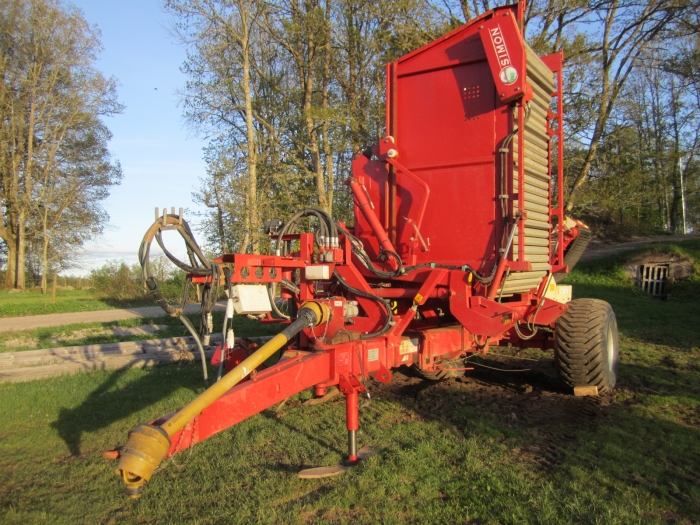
x: 115, y: 331
x: 495, y: 448
x: 36, y: 303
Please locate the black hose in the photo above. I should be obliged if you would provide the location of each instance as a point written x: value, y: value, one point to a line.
x: 464, y: 268
x: 271, y: 295
x: 306, y: 318
x: 359, y: 250
x: 388, y: 323
x: 326, y: 232
x: 198, y: 265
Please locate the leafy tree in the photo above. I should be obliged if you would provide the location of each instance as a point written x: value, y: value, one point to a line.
x: 51, y: 98
x: 314, y: 96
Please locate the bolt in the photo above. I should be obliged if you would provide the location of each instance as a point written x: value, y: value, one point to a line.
x: 392, y: 153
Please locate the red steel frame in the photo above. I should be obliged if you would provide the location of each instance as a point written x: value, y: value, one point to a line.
x: 441, y: 312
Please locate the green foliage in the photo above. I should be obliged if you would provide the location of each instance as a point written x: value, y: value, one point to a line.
x: 55, y: 166
x: 117, y: 280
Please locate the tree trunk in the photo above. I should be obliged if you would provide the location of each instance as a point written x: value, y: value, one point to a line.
x: 44, y: 255
x: 44, y: 264
x: 583, y: 172
x: 11, y: 263
x: 21, y: 249
x: 252, y: 215
x: 326, y: 139
x: 220, y: 219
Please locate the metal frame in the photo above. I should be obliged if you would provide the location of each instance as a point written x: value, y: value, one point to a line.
x: 442, y: 311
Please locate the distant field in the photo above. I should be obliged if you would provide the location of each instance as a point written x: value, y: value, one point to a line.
x: 35, y: 303
x: 126, y: 330
x: 497, y: 448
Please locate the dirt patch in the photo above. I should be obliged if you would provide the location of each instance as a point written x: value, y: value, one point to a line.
x: 532, y: 399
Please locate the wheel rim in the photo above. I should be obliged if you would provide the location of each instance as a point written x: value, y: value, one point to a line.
x: 610, y: 348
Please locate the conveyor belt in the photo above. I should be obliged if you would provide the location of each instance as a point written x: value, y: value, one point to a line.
x: 538, y: 185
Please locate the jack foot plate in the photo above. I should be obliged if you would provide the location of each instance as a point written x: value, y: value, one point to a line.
x: 334, y: 470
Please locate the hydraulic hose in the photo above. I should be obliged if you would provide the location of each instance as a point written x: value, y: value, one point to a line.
x: 388, y: 322
x: 198, y: 266
x: 327, y: 234
x: 359, y: 250
x: 148, y: 444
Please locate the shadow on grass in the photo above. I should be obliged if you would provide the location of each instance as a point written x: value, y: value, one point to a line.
x: 624, y: 439
x: 108, y: 404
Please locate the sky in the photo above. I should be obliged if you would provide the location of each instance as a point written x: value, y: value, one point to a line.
x: 160, y: 158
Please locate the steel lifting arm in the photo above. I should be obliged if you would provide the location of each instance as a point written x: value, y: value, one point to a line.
x: 147, y: 444
x: 366, y: 208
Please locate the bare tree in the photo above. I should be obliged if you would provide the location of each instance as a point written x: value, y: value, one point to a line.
x: 623, y: 29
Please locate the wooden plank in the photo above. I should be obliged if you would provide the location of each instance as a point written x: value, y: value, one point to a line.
x: 37, y: 364
x: 518, y: 276
x: 90, y: 351
x: 536, y: 241
x: 583, y: 391
x: 531, y: 232
x: 14, y: 375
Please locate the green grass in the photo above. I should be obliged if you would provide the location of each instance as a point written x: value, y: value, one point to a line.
x: 480, y: 452
x: 67, y: 301
x: 101, y: 333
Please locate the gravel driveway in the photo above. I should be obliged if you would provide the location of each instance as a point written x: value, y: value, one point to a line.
x: 596, y: 251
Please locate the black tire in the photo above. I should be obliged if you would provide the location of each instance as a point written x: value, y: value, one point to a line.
x: 586, y: 346
x: 442, y: 374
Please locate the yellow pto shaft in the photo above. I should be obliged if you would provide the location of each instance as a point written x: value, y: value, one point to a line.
x: 148, y: 444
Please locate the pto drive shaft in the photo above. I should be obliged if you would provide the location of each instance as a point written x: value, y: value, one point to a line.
x: 148, y: 444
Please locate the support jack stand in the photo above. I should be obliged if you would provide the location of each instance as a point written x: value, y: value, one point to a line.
x: 334, y: 470
x: 350, y: 388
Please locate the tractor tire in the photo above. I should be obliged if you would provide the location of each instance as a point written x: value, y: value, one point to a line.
x: 442, y: 374
x: 586, y: 347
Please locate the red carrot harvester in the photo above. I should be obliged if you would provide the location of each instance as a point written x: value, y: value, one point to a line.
x: 457, y: 245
